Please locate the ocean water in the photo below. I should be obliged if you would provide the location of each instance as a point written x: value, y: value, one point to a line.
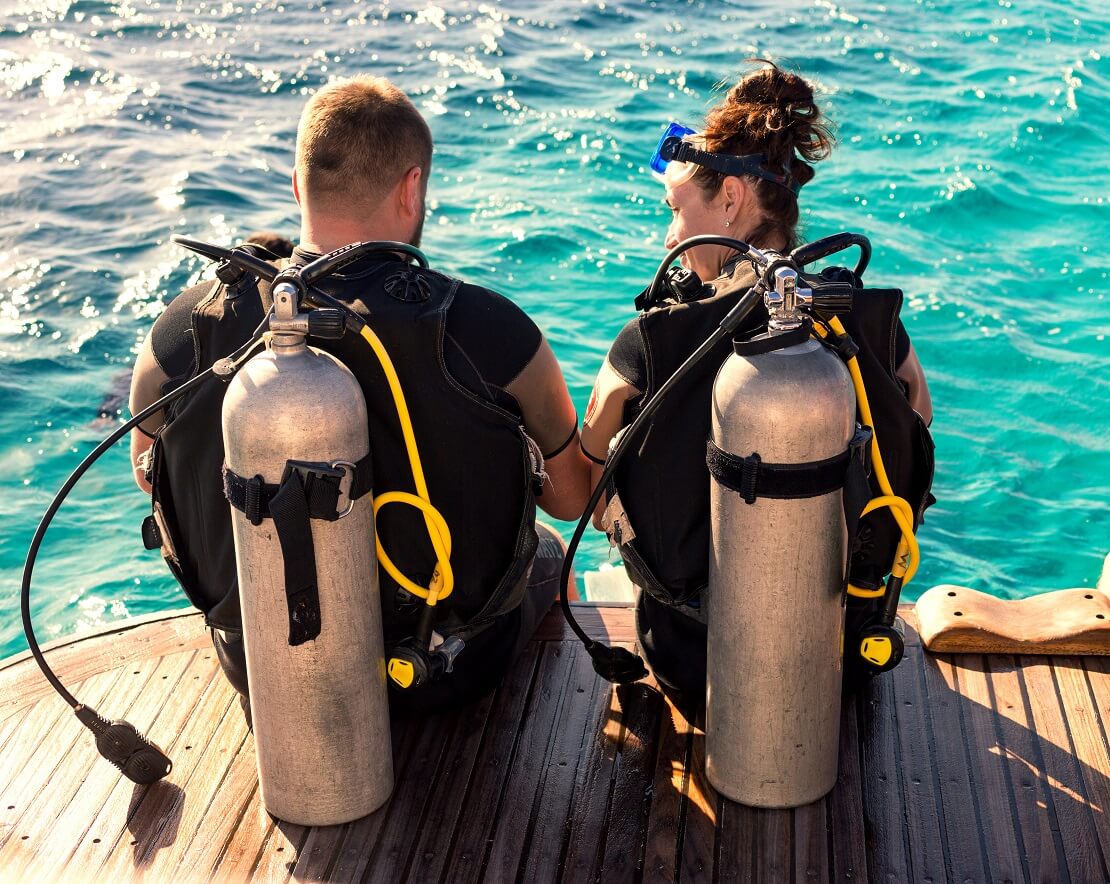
x: 972, y: 151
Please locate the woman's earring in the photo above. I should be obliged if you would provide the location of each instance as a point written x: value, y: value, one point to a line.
x: 727, y: 222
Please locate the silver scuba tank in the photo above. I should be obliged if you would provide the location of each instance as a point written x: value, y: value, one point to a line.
x: 319, y: 707
x: 775, y: 597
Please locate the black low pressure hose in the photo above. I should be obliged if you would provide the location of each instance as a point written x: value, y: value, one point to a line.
x: 119, y: 742
x: 618, y: 664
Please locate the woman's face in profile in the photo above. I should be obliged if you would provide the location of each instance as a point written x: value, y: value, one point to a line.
x: 693, y: 215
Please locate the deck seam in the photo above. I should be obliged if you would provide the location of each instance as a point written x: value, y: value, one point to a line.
x: 239, y: 817
x: 966, y: 742
x: 614, y: 771
x: 1078, y: 765
x: 530, y: 829
x: 427, y: 808
x: 1098, y: 718
x: 938, y: 796
x: 1057, y: 838
x: 1015, y: 813
x: 526, y: 707
x: 684, y: 802
x: 899, y: 769
x: 583, y: 746
x: 525, y: 711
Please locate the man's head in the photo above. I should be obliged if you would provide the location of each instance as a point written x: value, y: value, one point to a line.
x: 363, y: 157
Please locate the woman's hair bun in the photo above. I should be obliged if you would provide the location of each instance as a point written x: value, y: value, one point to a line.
x: 771, y: 111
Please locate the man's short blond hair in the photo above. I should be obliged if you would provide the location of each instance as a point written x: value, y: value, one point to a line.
x: 356, y: 138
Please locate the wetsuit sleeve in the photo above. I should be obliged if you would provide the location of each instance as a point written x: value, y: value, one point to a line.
x: 171, y: 340
x: 901, y: 344
x: 495, y: 336
x: 627, y: 357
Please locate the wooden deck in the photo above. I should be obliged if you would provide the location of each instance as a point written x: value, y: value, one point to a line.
x: 963, y: 768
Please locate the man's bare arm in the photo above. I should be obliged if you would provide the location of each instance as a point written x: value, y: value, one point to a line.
x: 146, y: 388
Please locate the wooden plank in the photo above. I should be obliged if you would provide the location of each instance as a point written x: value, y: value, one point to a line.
x: 253, y: 828
x: 990, y: 780
x: 773, y: 850
x: 734, y: 857
x: 156, y: 815
x: 1089, y: 742
x: 592, y: 794
x: 50, y: 749
x: 201, y: 795
x: 208, y: 841
x: 1098, y: 677
x: 75, y: 659
x: 1068, y: 792
x: 919, y: 774
x: 342, y: 853
x: 516, y: 810
x: 884, y: 799
x: 664, y: 830
x: 699, y: 834
x: 495, y: 760
x: 448, y: 800
x: 582, y: 705
x: 40, y: 719
x: 74, y: 795
x: 612, y: 623
x: 390, y: 854
x: 1038, y: 828
x: 844, y: 805
x: 279, y: 854
x: 626, y: 831
x: 955, y: 619
x: 961, y: 824
x: 811, y: 843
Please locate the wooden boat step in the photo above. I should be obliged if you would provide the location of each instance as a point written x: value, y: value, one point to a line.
x: 959, y: 620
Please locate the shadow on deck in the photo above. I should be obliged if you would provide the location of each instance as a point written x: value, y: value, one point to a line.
x: 968, y: 768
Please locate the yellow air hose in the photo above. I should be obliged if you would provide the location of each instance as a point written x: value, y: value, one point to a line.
x: 443, y: 580
x: 908, y: 555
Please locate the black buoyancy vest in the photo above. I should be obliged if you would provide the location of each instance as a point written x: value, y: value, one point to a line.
x: 477, y: 460
x: 664, y: 485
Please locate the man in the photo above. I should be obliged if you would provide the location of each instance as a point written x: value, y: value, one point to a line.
x: 482, y: 384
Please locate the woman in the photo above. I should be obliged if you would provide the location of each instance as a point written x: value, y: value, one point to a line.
x: 765, y: 133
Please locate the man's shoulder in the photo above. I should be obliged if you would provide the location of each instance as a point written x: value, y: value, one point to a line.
x: 472, y: 297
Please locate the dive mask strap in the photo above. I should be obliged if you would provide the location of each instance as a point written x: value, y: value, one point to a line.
x: 676, y: 149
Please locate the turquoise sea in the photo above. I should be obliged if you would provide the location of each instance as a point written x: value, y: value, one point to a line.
x: 973, y: 145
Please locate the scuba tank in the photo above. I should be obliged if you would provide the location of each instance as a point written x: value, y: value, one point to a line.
x: 782, y: 407
x: 298, y: 478
x: 294, y: 419
x: 792, y: 474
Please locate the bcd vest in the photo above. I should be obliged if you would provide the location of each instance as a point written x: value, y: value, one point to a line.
x: 663, y: 491
x: 480, y: 467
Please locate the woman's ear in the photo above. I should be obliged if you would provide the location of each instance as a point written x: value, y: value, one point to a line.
x: 735, y: 194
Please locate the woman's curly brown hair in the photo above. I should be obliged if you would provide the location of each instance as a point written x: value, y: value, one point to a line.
x: 769, y: 111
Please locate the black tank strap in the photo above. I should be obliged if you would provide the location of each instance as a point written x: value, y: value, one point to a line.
x: 753, y: 478
x: 254, y: 498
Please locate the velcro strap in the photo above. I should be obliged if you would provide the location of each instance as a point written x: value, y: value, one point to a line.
x: 753, y: 478
x: 289, y: 510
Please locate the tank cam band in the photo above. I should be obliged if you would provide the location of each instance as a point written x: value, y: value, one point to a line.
x: 752, y: 478
x: 322, y: 485
x: 307, y: 491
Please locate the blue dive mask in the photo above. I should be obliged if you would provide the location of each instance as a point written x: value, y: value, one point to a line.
x: 674, y: 148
